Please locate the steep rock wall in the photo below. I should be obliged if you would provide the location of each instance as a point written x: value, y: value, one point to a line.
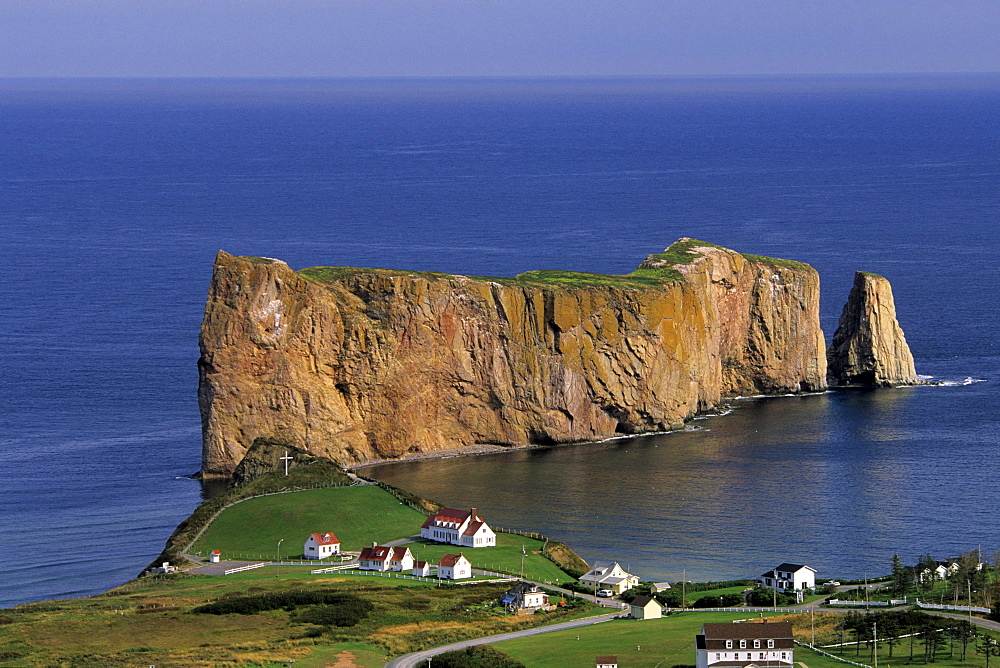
x: 359, y: 364
x: 869, y: 348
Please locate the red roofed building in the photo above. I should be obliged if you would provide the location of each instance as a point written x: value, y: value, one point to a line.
x: 458, y: 527
x: 321, y: 546
x: 383, y: 558
x: 454, y: 567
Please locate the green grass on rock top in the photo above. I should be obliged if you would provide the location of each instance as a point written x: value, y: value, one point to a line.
x: 644, y: 278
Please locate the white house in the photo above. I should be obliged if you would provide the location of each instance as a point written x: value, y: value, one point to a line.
x: 321, y: 546
x: 789, y: 577
x: 384, y: 558
x: 458, y: 527
x: 454, y: 567
x: 610, y: 575
x: 524, y: 597
x: 607, y: 661
x: 215, y: 557
x: 744, y: 645
x: 421, y: 569
x: 645, y: 607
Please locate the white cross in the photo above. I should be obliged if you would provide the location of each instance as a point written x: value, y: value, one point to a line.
x: 287, y: 459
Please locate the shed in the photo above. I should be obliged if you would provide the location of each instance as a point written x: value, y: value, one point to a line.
x: 645, y: 607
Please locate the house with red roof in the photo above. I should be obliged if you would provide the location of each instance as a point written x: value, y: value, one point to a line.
x: 385, y: 558
x: 421, y: 569
x: 321, y: 545
x: 454, y: 567
x: 458, y: 527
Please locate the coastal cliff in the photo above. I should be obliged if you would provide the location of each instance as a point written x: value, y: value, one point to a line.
x: 869, y: 348
x: 363, y: 364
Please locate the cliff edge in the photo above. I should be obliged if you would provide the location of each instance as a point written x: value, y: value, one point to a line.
x: 869, y: 348
x: 361, y: 364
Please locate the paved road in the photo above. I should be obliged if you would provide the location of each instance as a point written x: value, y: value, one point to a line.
x: 418, y: 658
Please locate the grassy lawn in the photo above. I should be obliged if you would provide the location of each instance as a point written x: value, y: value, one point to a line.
x: 669, y: 641
x: 149, y: 622
x: 357, y: 515
x: 505, y: 557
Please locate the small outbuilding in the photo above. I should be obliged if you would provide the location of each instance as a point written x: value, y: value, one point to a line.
x: 645, y: 607
x: 454, y: 567
x: 321, y: 546
x: 215, y: 557
x: 610, y: 661
x: 524, y: 598
x: 421, y: 569
x: 657, y: 587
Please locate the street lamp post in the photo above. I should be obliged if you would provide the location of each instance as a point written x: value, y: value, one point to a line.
x: 277, y: 565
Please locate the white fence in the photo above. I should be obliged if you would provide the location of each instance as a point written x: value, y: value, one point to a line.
x: 865, y: 604
x: 957, y: 608
x: 230, y: 571
x: 832, y: 656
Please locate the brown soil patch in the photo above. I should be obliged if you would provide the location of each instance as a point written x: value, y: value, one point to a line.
x: 344, y: 660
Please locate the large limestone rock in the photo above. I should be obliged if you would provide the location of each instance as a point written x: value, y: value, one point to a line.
x: 360, y: 364
x: 868, y: 348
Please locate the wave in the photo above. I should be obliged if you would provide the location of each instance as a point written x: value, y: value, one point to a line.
x: 969, y: 380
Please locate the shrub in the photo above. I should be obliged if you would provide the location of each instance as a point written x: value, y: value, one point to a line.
x: 251, y: 605
x: 480, y: 656
x: 348, y: 612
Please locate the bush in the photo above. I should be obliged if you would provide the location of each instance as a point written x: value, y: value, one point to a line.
x: 763, y: 596
x: 251, y: 605
x: 348, y: 612
x: 480, y: 656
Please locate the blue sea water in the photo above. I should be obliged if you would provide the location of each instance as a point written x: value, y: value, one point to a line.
x: 115, y: 196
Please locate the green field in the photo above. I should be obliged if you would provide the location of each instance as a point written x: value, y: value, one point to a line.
x: 505, y: 557
x: 358, y: 515
x: 670, y: 641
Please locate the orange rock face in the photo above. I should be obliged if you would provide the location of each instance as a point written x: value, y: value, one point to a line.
x: 357, y: 364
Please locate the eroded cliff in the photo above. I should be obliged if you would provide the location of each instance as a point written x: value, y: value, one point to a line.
x: 361, y: 364
x: 869, y: 348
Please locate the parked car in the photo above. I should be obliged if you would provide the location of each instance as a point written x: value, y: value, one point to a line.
x: 605, y: 593
x: 831, y: 583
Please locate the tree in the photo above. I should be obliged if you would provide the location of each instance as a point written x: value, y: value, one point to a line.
x: 926, y: 568
x: 988, y: 647
x: 902, y: 577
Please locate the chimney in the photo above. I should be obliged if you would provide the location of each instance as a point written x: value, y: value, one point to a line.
x: 374, y: 544
x: 474, y: 516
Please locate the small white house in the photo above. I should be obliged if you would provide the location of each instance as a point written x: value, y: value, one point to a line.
x: 789, y: 577
x: 610, y: 575
x: 454, y: 567
x: 421, y: 569
x: 458, y: 527
x: 384, y: 558
x: 607, y: 661
x: 645, y: 607
x: 321, y: 546
x: 215, y: 557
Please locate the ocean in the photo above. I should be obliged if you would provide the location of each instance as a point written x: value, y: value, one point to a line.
x: 116, y: 195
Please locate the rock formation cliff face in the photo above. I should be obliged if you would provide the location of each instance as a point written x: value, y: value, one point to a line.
x: 868, y: 347
x: 358, y: 364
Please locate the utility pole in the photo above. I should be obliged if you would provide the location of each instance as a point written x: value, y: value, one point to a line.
x: 684, y: 580
x: 867, y: 607
x: 875, y: 643
x: 774, y: 591
x: 277, y: 564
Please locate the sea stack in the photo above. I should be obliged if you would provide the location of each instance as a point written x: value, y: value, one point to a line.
x: 869, y: 349
x: 360, y: 364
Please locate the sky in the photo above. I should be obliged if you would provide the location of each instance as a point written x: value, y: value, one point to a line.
x: 405, y: 38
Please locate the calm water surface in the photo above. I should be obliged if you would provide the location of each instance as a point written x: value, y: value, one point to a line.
x: 116, y: 195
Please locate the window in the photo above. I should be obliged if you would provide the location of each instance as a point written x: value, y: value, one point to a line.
x: 743, y: 644
x: 729, y: 644
x: 756, y: 644
x: 770, y: 644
